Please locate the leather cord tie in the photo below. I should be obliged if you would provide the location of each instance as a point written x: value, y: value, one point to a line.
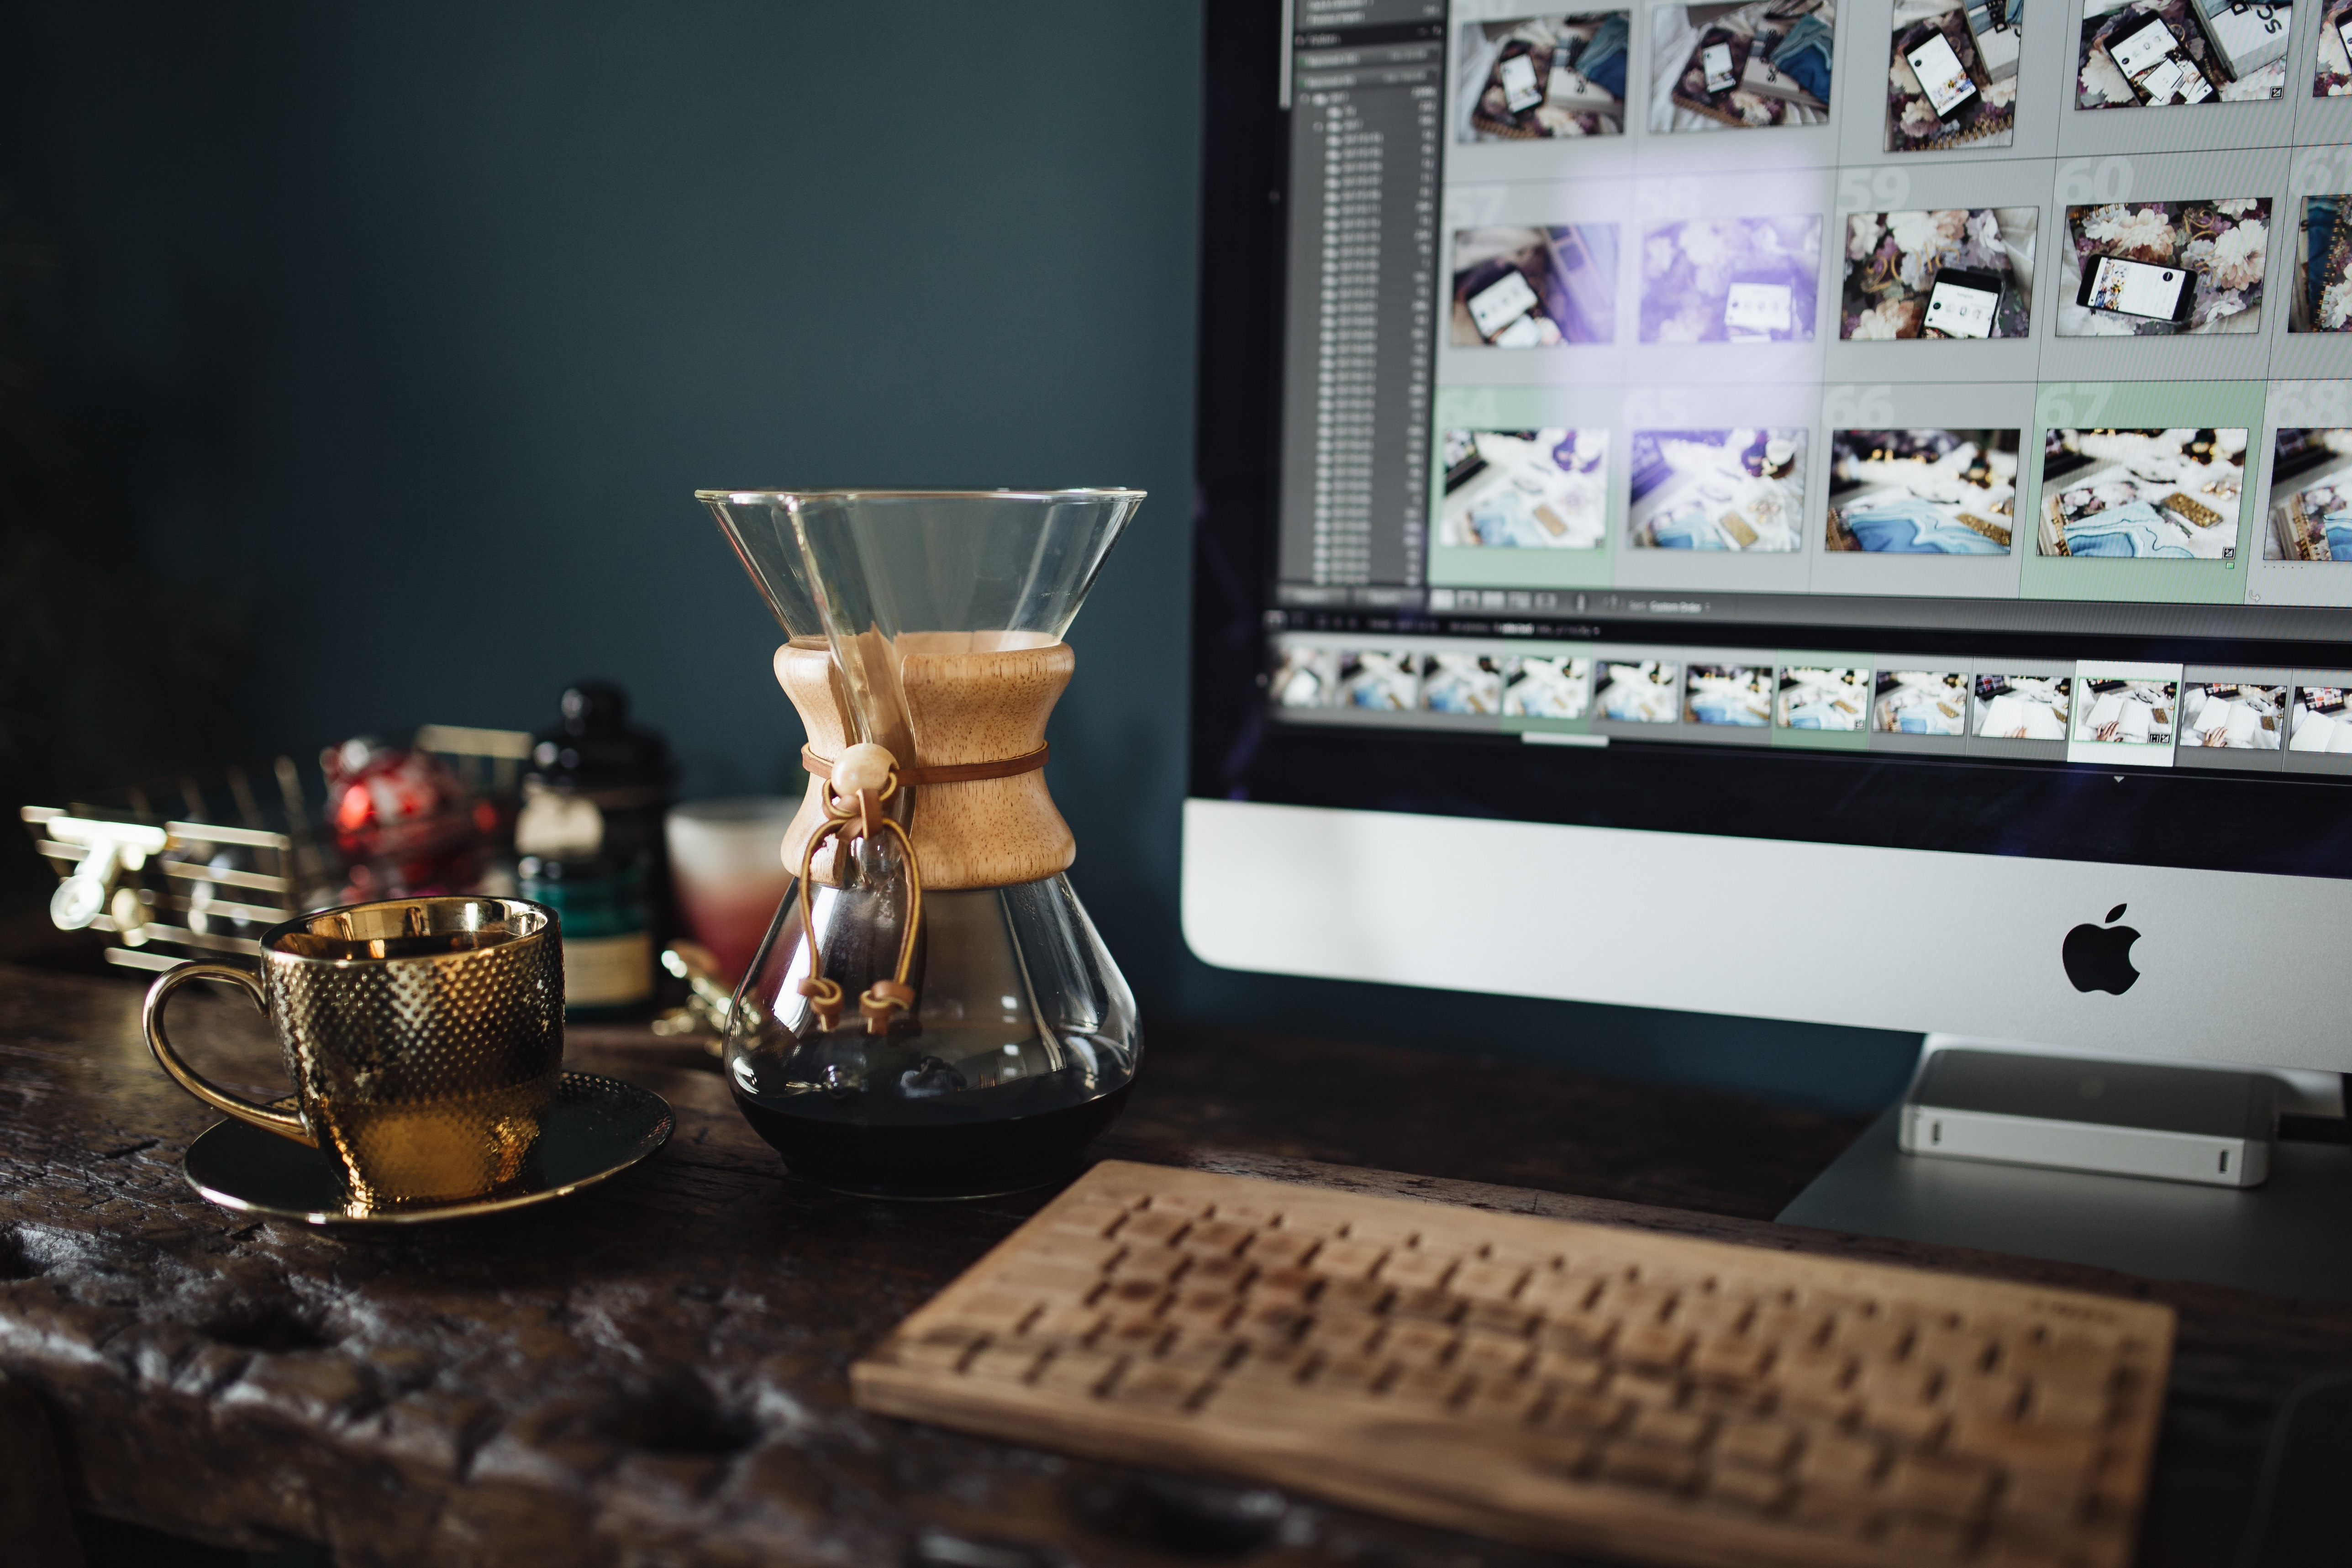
x: 850, y: 819
x: 946, y: 773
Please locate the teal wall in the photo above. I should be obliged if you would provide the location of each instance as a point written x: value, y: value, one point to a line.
x: 421, y: 324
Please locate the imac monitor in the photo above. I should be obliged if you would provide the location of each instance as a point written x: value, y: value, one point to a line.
x: 1906, y: 580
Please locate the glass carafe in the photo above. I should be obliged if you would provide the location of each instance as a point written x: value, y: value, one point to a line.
x: 981, y: 1052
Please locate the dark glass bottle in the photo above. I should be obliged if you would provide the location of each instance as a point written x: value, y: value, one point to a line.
x: 590, y: 842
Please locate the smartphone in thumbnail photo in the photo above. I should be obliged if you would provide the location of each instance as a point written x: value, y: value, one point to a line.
x: 1962, y: 303
x: 2138, y: 289
x: 1941, y: 75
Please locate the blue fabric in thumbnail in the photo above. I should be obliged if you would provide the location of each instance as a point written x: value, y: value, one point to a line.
x: 2339, y: 535
x: 1603, y: 60
x: 1804, y: 56
x: 1724, y: 710
x: 2132, y: 530
x: 1687, y: 531
x: 1916, y: 528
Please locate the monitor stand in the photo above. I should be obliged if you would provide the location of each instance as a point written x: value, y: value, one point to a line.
x: 2292, y: 1235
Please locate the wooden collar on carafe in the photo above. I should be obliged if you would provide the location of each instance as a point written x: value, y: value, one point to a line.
x: 947, y: 772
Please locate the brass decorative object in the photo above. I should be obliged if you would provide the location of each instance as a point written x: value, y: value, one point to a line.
x: 424, y: 1035
x: 593, y: 1128
x: 170, y: 876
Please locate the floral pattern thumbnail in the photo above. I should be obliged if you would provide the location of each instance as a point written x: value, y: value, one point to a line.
x: 2222, y: 245
x: 1741, y: 279
x: 1981, y: 112
x: 1893, y: 260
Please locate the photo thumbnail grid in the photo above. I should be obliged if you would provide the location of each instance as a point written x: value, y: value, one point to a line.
x: 1983, y: 707
x: 2148, y: 245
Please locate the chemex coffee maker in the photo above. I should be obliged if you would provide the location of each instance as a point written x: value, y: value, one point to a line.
x: 931, y: 1013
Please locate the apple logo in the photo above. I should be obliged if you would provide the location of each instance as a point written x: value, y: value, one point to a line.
x: 2098, y: 958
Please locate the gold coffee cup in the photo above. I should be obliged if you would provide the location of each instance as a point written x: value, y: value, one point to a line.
x: 425, y: 1036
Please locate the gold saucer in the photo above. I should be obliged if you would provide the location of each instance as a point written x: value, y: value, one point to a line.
x: 596, y: 1128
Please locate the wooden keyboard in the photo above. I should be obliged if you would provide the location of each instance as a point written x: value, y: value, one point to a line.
x: 1568, y: 1386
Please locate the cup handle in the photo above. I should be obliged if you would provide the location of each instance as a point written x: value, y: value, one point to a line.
x: 285, y: 1123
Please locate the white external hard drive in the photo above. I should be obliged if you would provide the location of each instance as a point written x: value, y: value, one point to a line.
x: 2127, y: 1119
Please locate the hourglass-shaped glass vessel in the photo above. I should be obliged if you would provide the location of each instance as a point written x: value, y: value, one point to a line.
x: 982, y: 1055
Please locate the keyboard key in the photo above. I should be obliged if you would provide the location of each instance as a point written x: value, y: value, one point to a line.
x: 1556, y: 1295
x: 1348, y: 1374
x: 1758, y: 1489
x: 1203, y: 1309
x: 1429, y: 1387
x: 1959, y: 1351
x: 1997, y: 1394
x: 2021, y: 1448
x: 1493, y: 1356
x: 1284, y: 1282
x: 1874, y: 1338
x: 1005, y: 1362
x: 1511, y: 1401
x: 1156, y: 1264
x: 1668, y: 1428
x: 1755, y: 1444
x: 1204, y: 1354
x: 1947, y: 1489
x: 1631, y: 1302
x: 1730, y: 1358
x: 1156, y: 1386
x: 1654, y: 1344
x: 1224, y: 1273
x: 1343, y: 1334
x: 1415, y: 1271
x: 1084, y: 1219
x: 2076, y: 1405
x: 1567, y: 1370
x: 1131, y: 1300
x: 1274, y: 1364
x: 1426, y: 1305
x: 1647, y: 1384
x: 1594, y: 1413
x: 1281, y: 1248
x: 1077, y: 1371
x: 1710, y: 1315
x: 1347, y: 1259
x: 1353, y: 1296
x: 1499, y: 1318
x: 1065, y: 1322
x: 1641, y: 1465
x: 1832, y: 1459
x: 1790, y: 1328
x: 1918, y: 1425
x: 1269, y: 1323
x: 941, y: 1350
x: 1901, y: 1382
x: 1492, y: 1282
x: 1153, y: 1225
x: 1135, y: 1339
x: 1581, y: 1335
x: 1088, y: 1254
x: 994, y: 1313
x: 1216, y: 1237
x: 1418, y: 1344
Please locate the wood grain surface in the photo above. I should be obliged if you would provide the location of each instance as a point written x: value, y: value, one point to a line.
x: 656, y: 1370
x: 965, y: 706
x: 1600, y: 1387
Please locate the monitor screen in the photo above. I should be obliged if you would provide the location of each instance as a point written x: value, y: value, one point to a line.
x: 1926, y: 426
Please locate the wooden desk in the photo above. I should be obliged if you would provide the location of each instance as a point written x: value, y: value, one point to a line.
x: 655, y: 1371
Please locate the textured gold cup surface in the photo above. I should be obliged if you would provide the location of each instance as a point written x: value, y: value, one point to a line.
x: 424, y: 1038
